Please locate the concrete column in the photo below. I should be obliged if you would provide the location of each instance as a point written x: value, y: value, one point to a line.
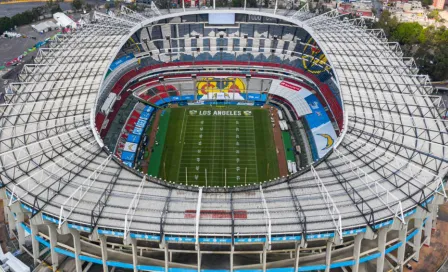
x: 328, y: 256
x: 35, y: 243
x: 77, y: 247
x: 296, y: 260
x: 52, y: 230
x: 5, y: 210
x: 20, y: 218
x: 428, y: 230
x: 382, y: 235
x: 430, y: 221
x: 11, y: 223
x: 357, y: 251
x: 264, y: 258
x: 232, y: 248
x: 166, y: 258
x: 418, y: 223
x: 134, y: 254
x: 199, y: 258
x: 103, y: 243
x: 401, y: 250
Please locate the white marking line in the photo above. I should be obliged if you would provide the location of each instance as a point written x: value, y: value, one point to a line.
x: 208, y: 144
x: 182, y: 127
x: 181, y: 139
x: 213, y: 148
x: 253, y: 127
x: 222, y: 148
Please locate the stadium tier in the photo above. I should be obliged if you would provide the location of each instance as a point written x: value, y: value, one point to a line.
x: 85, y: 133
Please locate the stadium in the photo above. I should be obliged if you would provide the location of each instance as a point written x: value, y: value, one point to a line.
x: 218, y: 139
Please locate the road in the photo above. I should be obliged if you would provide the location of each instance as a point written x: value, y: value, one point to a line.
x: 10, y: 10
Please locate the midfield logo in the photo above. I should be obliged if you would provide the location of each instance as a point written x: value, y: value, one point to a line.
x: 219, y: 113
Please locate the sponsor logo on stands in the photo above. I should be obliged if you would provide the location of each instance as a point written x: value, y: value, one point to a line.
x: 330, y: 141
x: 314, y: 105
x: 290, y: 86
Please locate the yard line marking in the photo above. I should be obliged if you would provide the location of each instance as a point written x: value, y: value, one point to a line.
x: 213, y: 148
x: 223, y: 146
x: 256, y: 157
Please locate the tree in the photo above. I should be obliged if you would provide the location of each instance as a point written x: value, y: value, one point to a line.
x: 117, y: 4
x: 56, y: 8
x: 77, y: 4
x: 237, y: 3
x: 387, y: 22
x: 408, y: 33
x: 37, y: 12
x: 23, y: 18
x: 5, y: 24
x: 434, y: 14
x: 426, y: 3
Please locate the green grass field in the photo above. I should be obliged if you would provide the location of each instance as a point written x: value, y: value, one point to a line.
x: 218, y: 146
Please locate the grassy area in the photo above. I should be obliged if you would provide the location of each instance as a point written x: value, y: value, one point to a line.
x: 287, y: 143
x: 232, y: 144
x: 158, y: 147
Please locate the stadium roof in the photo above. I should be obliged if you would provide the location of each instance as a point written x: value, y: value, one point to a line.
x: 389, y: 159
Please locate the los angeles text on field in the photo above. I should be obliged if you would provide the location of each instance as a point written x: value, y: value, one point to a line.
x: 219, y: 146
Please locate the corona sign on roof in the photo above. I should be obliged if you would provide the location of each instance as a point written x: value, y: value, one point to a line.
x: 221, y: 88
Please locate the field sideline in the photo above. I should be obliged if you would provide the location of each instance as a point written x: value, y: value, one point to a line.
x: 219, y: 146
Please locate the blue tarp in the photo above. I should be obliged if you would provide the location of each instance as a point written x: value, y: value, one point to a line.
x: 39, y: 44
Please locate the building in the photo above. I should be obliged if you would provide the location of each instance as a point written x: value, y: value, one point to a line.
x: 45, y: 26
x: 439, y: 4
x: 374, y: 193
x: 63, y: 20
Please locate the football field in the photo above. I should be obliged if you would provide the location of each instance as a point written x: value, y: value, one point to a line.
x: 219, y: 146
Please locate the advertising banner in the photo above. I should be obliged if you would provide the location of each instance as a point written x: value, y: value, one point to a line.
x: 131, y: 147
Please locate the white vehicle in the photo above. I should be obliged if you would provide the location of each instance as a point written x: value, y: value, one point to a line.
x: 12, y: 34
